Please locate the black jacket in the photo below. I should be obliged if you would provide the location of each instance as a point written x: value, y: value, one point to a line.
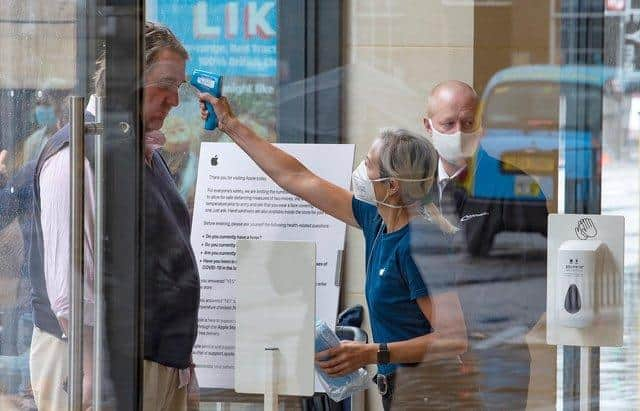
x: 502, y: 290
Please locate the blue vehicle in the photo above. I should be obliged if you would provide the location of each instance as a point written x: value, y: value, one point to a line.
x: 527, y: 112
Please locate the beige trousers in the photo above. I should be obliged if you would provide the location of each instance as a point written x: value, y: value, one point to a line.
x: 49, y: 370
x: 161, y: 392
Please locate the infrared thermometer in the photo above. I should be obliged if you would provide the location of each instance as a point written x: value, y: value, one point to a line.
x: 210, y: 83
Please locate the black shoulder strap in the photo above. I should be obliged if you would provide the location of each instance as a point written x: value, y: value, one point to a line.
x: 163, y: 161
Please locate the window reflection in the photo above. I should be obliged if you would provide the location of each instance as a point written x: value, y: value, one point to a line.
x: 553, y: 127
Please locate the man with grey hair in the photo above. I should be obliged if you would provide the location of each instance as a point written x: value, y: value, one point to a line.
x: 172, y: 285
x: 500, y: 304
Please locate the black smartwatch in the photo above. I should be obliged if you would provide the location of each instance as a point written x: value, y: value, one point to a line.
x: 383, y: 354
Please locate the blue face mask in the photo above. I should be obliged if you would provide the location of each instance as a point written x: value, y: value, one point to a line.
x: 45, y: 116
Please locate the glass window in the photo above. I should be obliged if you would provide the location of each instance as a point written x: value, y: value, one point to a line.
x: 523, y: 105
x: 227, y: 188
x: 237, y: 39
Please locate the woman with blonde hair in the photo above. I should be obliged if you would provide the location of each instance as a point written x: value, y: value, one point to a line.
x: 390, y: 187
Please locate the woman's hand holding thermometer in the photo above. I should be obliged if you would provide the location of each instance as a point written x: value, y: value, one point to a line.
x: 209, y: 83
x: 218, y: 108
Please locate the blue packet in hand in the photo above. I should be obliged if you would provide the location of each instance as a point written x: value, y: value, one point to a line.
x: 337, y: 388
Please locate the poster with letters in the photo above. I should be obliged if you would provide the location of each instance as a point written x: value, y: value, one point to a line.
x: 235, y: 200
x: 237, y: 38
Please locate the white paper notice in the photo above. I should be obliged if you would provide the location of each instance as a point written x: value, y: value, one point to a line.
x: 235, y: 200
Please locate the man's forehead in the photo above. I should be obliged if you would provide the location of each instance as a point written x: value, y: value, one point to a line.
x: 454, y: 105
x: 168, y: 63
x: 453, y: 109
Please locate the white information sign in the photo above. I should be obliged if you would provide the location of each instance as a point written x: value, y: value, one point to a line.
x: 235, y: 200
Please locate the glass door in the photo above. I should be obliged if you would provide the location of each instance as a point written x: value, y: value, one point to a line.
x: 70, y: 204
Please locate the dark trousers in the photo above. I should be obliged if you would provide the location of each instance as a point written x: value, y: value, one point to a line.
x: 23, y: 345
x: 445, y: 384
x: 496, y: 380
x: 16, y: 342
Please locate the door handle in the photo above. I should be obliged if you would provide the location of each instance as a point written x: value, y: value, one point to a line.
x: 78, y: 128
x: 98, y: 247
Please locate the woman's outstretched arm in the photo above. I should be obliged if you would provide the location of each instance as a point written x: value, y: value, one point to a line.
x: 282, y: 167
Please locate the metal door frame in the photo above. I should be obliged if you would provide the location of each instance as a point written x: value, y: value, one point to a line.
x: 116, y: 28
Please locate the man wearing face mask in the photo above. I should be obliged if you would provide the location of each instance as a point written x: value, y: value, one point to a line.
x: 451, y: 121
x: 502, y: 297
x: 455, y: 132
x: 48, y: 115
x: 15, y: 202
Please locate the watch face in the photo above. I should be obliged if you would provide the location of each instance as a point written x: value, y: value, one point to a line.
x: 383, y: 354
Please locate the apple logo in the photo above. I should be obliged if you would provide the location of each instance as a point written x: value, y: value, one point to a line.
x: 214, y: 160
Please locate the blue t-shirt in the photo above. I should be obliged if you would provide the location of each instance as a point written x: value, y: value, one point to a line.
x: 393, y: 281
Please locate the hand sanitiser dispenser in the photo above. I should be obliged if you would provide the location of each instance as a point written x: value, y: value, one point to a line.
x: 585, y: 280
x: 580, y: 264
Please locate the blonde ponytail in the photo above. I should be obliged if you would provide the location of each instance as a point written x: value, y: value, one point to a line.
x: 432, y: 213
